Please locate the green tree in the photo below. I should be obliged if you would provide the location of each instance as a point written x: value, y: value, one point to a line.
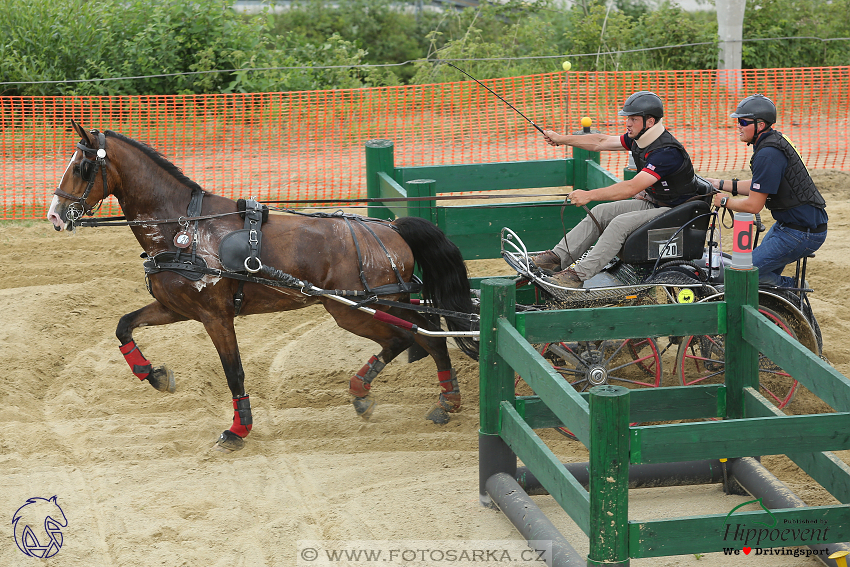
x: 790, y: 18
x: 669, y: 24
x: 502, y: 33
x: 388, y: 31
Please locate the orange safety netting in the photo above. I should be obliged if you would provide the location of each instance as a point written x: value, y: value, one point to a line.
x: 310, y: 145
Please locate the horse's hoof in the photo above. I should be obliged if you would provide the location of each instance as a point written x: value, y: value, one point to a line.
x: 438, y: 415
x: 450, y: 401
x: 364, y: 406
x: 162, y: 379
x: 228, y: 442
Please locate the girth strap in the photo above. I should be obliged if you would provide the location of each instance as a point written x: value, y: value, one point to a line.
x: 193, y: 210
x: 253, y: 222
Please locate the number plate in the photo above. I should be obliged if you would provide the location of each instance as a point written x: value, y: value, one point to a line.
x: 658, y: 240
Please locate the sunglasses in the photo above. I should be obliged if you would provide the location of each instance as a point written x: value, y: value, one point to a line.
x: 744, y: 122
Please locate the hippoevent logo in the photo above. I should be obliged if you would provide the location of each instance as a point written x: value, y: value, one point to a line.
x: 766, y: 531
x: 38, y: 527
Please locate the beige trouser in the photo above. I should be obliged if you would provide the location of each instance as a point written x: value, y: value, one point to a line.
x: 618, y: 219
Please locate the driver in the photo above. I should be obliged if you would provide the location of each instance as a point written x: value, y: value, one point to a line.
x: 665, y: 179
x: 781, y: 183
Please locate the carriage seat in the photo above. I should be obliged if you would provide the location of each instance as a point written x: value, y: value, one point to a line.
x: 646, y: 243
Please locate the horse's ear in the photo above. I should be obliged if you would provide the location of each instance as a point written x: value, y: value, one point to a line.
x: 82, y: 133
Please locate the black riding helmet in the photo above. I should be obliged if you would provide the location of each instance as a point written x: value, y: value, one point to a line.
x: 757, y: 107
x: 643, y: 103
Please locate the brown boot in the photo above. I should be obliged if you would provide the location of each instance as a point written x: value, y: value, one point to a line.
x: 566, y: 278
x: 547, y: 260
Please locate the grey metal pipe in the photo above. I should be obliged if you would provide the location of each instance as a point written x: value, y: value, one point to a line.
x: 530, y: 520
x: 494, y: 456
x: 775, y: 494
x: 683, y: 473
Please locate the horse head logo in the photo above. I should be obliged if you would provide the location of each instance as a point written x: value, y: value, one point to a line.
x: 38, y: 526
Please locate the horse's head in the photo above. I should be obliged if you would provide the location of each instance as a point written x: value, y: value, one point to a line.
x: 84, y: 183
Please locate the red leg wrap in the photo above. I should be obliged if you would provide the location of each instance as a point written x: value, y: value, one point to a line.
x: 448, y: 380
x: 242, y: 420
x: 450, y: 396
x: 361, y: 383
x: 140, y: 365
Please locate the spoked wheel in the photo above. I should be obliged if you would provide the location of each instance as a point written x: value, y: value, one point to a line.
x: 633, y: 363
x: 701, y: 360
x: 630, y: 363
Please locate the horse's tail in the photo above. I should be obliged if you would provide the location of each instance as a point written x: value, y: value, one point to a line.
x: 444, y: 277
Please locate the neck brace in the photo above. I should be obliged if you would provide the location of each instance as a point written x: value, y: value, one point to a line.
x: 650, y: 135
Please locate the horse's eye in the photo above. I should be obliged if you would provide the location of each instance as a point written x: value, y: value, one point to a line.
x: 76, y: 170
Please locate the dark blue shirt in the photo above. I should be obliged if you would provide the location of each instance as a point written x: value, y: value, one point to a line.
x: 768, y: 169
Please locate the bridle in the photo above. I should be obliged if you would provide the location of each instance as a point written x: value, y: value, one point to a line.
x: 87, y: 170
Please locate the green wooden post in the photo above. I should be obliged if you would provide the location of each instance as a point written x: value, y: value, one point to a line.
x: 741, y: 357
x: 423, y: 188
x: 496, y: 383
x: 379, y: 157
x: 580, y: 157
x: 630, y: 170
x: 609, y: 476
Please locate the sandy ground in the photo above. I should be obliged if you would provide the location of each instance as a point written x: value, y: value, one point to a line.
x: 132, y: 468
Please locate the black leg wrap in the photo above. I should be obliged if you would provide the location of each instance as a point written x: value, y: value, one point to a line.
x: 243, y: 408
x: 374, y: 369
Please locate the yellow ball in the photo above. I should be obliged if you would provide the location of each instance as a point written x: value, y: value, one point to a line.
x: 566, y: 65
x: 586, y: 122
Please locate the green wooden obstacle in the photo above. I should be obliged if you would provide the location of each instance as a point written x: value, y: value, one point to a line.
x: 749, y: 425
x: 475, y: 228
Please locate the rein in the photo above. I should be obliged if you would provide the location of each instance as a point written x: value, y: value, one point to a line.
x: 405, y: 199
x: 122, y: 220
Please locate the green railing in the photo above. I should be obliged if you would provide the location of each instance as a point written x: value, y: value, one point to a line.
x: 475, y: 228
x: 749, y: 425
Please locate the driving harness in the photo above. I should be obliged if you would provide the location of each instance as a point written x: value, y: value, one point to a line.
x: 239, y: 251
x: 240, y: 255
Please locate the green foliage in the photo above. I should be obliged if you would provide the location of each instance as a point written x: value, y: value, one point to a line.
x: 388, y: 31
x: 601, y: 29
x: 670, y: 25
x: 324, y: 44
x: 788, y: 18
x: 492, y: 31
x: 598, y: 34
x: 77, y: 39
x: 299, y: 66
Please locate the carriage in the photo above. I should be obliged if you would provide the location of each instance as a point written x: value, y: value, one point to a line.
x: 676, y: 257
x: 211, y: 259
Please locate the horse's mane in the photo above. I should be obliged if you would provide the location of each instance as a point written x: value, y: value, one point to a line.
x: 157, y: 158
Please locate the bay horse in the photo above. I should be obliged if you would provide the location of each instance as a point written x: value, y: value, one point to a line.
x: 331, y: 252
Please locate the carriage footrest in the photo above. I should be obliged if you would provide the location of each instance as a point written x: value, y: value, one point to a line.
x: 632, y: 295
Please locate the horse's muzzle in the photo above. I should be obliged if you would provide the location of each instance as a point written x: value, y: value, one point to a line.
x: 58, y: 215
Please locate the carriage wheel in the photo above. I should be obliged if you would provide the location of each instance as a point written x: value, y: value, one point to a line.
x: 633, y: 363
x: 701, y: 360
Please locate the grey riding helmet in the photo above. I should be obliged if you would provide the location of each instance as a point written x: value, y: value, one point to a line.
x: 643, y: 103
x: 757, y: 107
